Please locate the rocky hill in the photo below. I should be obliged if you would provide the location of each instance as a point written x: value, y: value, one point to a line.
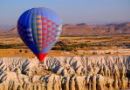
x: 84, y: 29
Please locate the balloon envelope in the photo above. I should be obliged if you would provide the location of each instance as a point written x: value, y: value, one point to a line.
x: 39, y: 28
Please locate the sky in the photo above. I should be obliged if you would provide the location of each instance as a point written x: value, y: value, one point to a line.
x: 71, y: 11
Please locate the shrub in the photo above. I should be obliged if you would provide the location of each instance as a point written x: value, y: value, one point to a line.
x: 20, y: 51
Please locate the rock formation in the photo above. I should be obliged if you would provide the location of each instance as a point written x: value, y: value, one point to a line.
x: 65, y: 73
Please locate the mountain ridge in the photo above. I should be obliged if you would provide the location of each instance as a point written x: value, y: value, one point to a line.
x: 83, y: 29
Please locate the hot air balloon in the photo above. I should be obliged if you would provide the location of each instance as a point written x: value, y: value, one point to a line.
x: 39, y: 28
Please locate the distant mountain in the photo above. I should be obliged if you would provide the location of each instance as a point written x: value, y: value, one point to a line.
x: 84, y: 29
x: 9, y: 33
x: 12, y: 32
x: 5, y: 27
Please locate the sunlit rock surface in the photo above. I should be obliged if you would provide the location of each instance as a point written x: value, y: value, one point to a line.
x: 65, y: 73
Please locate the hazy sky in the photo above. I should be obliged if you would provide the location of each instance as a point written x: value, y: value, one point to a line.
x: 71, y: 11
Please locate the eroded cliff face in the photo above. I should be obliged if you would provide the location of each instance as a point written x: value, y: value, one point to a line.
x: 65, y: 73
